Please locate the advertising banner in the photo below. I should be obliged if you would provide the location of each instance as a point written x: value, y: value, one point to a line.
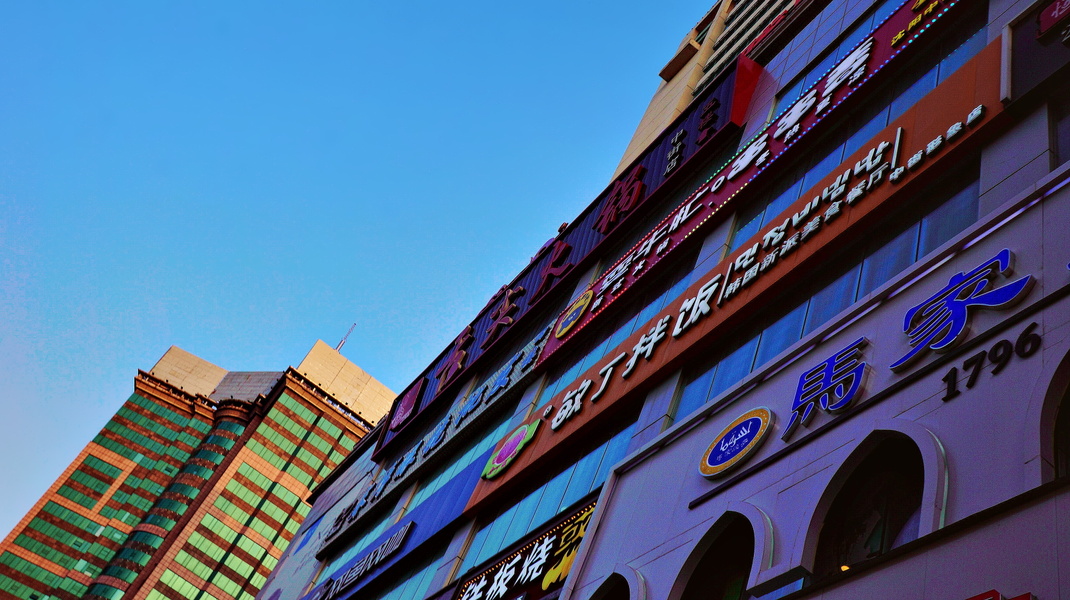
x: 936, y: 127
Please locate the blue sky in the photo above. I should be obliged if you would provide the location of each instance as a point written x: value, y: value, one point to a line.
x: 241, y: 179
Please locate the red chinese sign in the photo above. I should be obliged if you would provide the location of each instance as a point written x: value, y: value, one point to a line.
x: 1053, y: 15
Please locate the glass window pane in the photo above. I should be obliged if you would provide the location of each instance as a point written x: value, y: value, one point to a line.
x: 953, y: 216
x: 889, y: 260
x: 734, y: 367
x: 695, y: 393
x: 912, y: 94
x: 748, y: 221
x: 474, y: 549
x: 582, y: 475
x: 963, y: 53
x: 615, y: 451
x: 551, y: 498
x: 781, y: 203
x: 866, y: 132
x: 496, y: 536
x: 780, y: 335
x: 827, y: 303
x: 823, y: 167
x: 522, y: 519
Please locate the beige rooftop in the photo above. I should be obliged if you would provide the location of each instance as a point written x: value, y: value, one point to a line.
x: 187, y: 372
x: 346, y: 382
x: 323, y: 365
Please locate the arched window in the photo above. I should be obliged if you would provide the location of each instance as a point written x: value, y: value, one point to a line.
x: 722, y: 572
x: 1062, y: 437
x: 877, y: 509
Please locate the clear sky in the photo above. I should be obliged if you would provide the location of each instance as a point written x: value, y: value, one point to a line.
x: 241, y: 179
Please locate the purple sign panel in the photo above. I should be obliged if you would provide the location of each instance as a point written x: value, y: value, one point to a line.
x: 721, y: 104
x: 696, y: 214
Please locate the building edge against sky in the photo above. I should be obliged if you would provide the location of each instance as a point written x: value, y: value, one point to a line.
x: 813, y: 340
x: 196, y: 485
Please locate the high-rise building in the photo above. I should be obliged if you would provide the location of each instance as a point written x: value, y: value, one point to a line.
x: 812, y: 341
x: 196, y: 485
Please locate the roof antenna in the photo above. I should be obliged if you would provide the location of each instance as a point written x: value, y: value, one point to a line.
x: 344, y: 338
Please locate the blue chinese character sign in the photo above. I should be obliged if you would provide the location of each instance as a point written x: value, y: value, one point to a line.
x: 738, y: 441
x: 942, y: 320
x: 832, y: 385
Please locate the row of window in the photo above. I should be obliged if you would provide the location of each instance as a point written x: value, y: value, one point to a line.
x: 549, y: 500
x: 432, y: 483
x: 852, y: 282
x: 105, y: 468
x: 29, y: 569
x: 46, y: 551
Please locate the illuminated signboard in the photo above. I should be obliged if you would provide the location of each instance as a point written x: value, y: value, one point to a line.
x: 536, y: 568
x: 366, y: 564
x: 481, y: 398
x: 695, y: 215
x: 941, y: 321
x: 855, y: 192
x: 720, y: 105
x: 736, y: 443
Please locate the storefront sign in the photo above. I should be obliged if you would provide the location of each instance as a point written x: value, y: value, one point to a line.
x: 535, y: 569
x: 771, y: 259
x: 1053, y: 15
x: 736, y: 443
x: 833, y: 385
x: 695, y: 215
x: 621, y: 199
x: 999, y: 355
x: 514, y: 443
x: 941, y: 322
x: 366, y: 564
x: 481, y: 398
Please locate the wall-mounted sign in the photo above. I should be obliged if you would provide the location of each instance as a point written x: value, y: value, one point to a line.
x: 538, y: 567
x: 513, y: 446
x: 941, y: 321
x: 482, y: 397
x: 366, y: 564
x: 846, y: 199
x: 1055, y: 14
x: 736, y: 443
x: 999, y: 355
x: 602, y: 218
x: 695, y: 215
x: 832, y: 385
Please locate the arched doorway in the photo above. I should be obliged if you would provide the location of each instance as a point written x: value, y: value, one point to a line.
x: 877, y: 508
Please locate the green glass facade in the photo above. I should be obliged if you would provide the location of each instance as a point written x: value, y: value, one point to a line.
x: 181, y: 496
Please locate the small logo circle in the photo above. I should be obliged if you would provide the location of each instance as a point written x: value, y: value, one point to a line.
x: 573, y: 314
x: 514, y: 444
x: 737, y: 441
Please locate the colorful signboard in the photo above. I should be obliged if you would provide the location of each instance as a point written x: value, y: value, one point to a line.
x: 846, y: 200
x: 482, y: 397
x: 367, y: 563
x: 536, y: 568
x: 514, y: 443
x: 736, y: 443
x: 397, y: 541
x: 941, y: 321
x: 696, y: 214
x: 719, y: 106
